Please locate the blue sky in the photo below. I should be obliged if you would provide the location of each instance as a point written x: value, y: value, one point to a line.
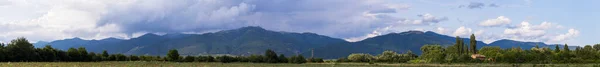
x: 550, y: 21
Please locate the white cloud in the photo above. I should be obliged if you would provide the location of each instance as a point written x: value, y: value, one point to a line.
x: 425, y: 19
x: 525, y: 30
x: 400, y: 25
x: 528, y: 32
x: 462, y: 31
x: 66, y: 20
x: 569, y: 35
x: 372, y: 34
x: 500, y: 21
x: 441, y: 30
x: 479, y: 32
x: 546, y: 25
x: 418, y: 29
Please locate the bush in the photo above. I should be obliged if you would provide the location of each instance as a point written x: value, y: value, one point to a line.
x: 225, y: 59
x: 343, y: 59
x: 360, y: 57
x: 299, y: 59
x: 205, y: 59
x: 173, y: 55
x: 188, y: 59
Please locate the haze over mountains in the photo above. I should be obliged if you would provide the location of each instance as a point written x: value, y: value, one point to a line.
x: 255, y: 40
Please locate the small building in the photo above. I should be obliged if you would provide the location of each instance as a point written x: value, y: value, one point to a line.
x: 478, y: 56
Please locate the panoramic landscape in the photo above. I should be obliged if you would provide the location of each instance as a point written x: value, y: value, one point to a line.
x: 299, y: 33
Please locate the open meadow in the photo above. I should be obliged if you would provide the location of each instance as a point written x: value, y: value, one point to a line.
x: 200, y: 64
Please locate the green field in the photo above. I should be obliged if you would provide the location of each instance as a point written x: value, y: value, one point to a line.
x: 198, y: 64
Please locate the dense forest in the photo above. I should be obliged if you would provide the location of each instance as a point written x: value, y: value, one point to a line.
x: 20, y: 50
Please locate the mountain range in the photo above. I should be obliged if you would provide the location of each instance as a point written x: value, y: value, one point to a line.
x: 255, y: 40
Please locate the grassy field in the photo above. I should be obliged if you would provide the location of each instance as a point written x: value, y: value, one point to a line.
x: 197, y: 64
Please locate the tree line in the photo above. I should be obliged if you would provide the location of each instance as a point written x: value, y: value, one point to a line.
x: 460, y: 53
x: 20, y: 50
x: 269, y: 57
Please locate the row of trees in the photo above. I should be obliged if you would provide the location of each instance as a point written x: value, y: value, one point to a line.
x: 20, y: 50
x: 494, y: 54
x: 586, y: 54
x: 462, y: 53
x: 269, y: 57
x: 386, y: 56
x: 459, y: 52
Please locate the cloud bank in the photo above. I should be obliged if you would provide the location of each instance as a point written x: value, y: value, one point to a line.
x: 353, y: 20
x: 97, y: 19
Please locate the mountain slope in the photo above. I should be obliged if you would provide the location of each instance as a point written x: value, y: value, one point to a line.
x: 505, y: 43
x: 255, y: 40
x: 399, y: 42
x: 40, y: 44
x: 242, y: 41
x: 77, y: 42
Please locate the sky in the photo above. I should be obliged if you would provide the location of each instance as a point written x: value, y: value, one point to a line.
x: 573, y: 22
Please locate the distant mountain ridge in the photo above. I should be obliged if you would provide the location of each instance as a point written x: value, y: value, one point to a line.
x: 505, y: 43
x: 242, y: 41
x: 399, y: 42
x: 254, y: 40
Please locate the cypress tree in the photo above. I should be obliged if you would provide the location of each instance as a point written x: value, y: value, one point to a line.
x: 271, y: 56
x: 556, y: 49
x: 566, y: 48
x: 473, y: 44
x: 459, y: 44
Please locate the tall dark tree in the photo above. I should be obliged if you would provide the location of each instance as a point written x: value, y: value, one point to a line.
x: 566, y: 48
x: 73, y: 54
x: 20, y: 50
x: 282, y: 58
x: 94, y: 57
x: 62, y: 55
x: 173, y: 55
x: 473, y: 44
x: 556, y: 49
x: 104, y: 55
x: 48, y: 53
x: 460, y: 45
x: 597, y: 47
x: 271, y: 56
x: 3, y: 53
x: 83, y: 54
